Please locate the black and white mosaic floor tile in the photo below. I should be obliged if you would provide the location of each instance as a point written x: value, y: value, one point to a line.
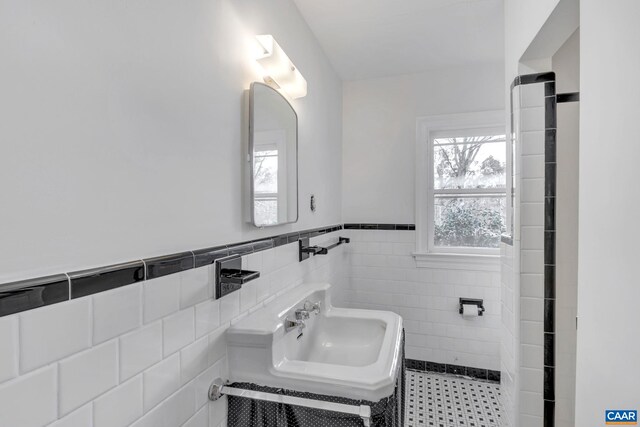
x: 441, y: 400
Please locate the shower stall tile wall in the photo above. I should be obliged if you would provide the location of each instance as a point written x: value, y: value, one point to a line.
x: 527, y: 259
x: 510, y: 331
x: 143, y: 354
x: 382, y: 275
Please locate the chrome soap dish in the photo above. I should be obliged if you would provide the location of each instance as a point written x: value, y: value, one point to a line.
x: 230, y: 276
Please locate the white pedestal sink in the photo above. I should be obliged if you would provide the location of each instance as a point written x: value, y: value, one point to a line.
x: 342, y: 352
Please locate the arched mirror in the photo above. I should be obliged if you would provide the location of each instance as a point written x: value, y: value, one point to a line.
x: 273, y: 157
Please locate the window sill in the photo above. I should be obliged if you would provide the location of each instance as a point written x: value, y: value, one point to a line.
x: 458, y: 261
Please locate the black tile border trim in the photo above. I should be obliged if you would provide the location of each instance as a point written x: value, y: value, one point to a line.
x: 89, y: 282
x: 550, y: 185
x: 549, y: 277
x: 528, y: 79
x: 168, y: 264
x: 444, y: 368
x: 16, y: 297
x: 33, y: 293
x: 568, y: 97
x: 210, y: 255
x: 367, y: 226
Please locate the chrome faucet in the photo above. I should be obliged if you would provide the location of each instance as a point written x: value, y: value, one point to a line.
x: 301, y: 314
x: 311, y: 307
x: 290, y: 324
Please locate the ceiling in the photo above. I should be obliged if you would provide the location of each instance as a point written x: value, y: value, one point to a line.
x: 375, y: 38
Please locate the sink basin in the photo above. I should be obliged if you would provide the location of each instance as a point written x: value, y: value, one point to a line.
x: 342, y: 352
x: 341, y: 341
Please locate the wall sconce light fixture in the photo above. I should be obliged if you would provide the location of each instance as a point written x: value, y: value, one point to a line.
x: 279, y: 71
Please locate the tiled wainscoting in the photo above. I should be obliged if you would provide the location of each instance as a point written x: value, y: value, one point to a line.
x: 382, y: 274
x: 142, y: 354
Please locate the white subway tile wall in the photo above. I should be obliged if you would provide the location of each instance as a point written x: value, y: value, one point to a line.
x: 51, y: 333
x: 178, y: 331
x: 509, y: 351
x: 86, y: 375
x: 152, y: 362
x: 161, y: 297
x: 121, y: 406
x: 20, y: 398
x: 194, y: 286
x: 116, y: 312
x: 383, y: 275
x: 140, y: 350
x: 161, y: 380
x: 9, y: 352
x: 81, y: 417
x: 531, y: 253
x: 523, y: 267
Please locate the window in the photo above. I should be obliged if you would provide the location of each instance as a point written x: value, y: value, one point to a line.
x: 461, y: 187
x: 266, y: 185
x: 269, y: 180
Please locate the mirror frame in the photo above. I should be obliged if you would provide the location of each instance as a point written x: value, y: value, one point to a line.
x: 251, y: 158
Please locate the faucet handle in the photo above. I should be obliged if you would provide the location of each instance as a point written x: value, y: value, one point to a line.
x: 312, y: 307
x: 302, y: 314
x: 290, y: 324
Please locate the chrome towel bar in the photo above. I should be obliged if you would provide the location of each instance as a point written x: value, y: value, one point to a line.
x: 304, y: 249
x: 219, y: 389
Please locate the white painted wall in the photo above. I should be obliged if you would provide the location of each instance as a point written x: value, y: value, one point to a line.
x: 566, y: 63
x: 523, y: 21
x: 142, y: 355
x: 121, y: 128
x: 608, y: 289
x: 379, y: 133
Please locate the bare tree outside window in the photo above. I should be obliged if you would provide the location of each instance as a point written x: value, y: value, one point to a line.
x: 469, y: 191
x: 265, y: 179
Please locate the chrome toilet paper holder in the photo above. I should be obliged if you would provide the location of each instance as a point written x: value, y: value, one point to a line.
x: 472, y: 301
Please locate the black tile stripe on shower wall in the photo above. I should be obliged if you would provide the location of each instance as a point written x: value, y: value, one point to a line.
x: 568, y: 97
x: 397, y: 227
x: 442, y: 368
x: 29, y: 294
x: 550, y: 185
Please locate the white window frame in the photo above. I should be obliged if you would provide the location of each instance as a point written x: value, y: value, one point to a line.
x: 426, y: 254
